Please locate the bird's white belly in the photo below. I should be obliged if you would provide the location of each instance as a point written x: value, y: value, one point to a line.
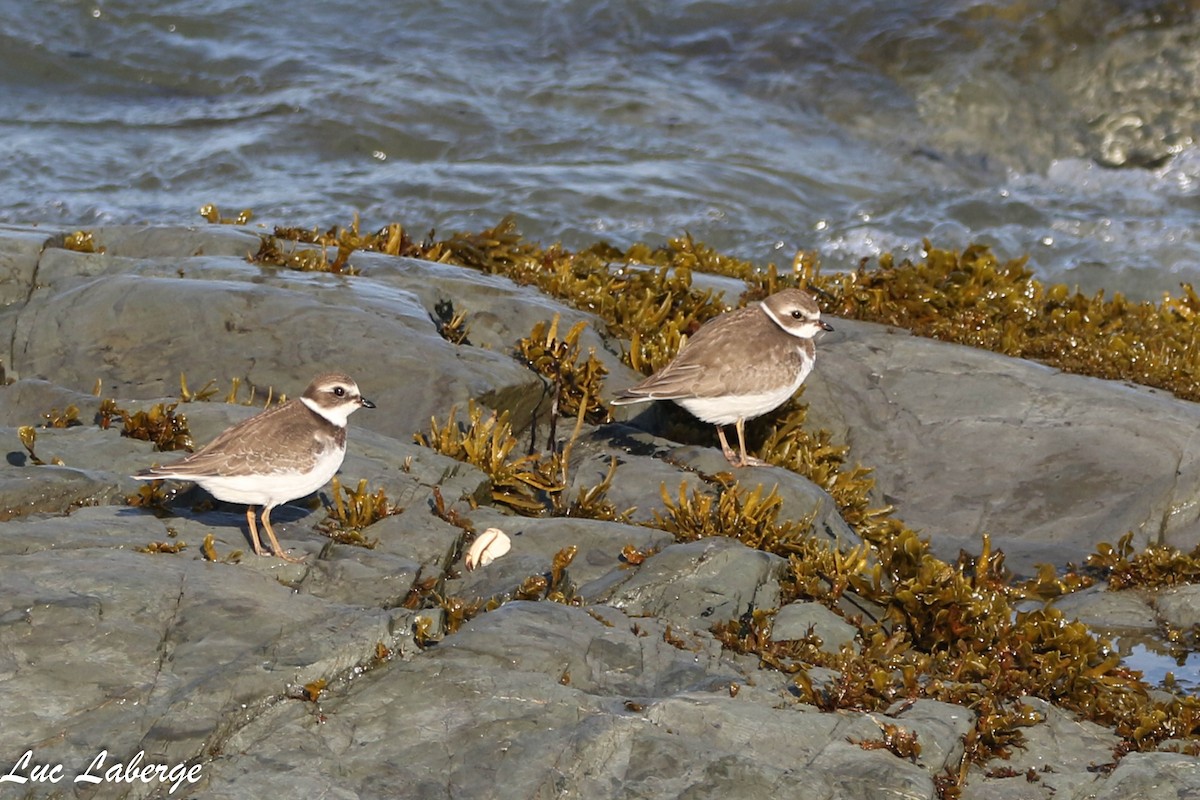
x: 730, y: 408
x: 274, y: 488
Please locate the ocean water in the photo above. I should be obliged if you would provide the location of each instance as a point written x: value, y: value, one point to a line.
x: 1065, y: 131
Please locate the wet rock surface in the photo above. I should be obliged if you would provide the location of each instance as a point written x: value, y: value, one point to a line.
x: 319, y: 679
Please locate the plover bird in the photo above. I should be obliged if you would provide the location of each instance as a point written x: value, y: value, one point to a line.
x: 281, y: 454
x: 739, y: 366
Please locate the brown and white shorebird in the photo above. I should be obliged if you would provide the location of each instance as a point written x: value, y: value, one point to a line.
x: 280, y: 454
x: 739, y: 366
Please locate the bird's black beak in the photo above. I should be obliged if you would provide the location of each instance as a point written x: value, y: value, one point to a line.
x: 825, y: 325
x: 366, y: 403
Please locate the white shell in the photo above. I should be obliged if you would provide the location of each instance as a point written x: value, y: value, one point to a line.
x: 487, y: 547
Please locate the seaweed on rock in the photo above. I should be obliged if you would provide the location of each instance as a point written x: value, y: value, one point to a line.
x: 210, y: 390
x: 28, y: 436
x: 974, y: 298
x: 946, y: 631
x: 532, y: 484
x: 750, y: 516
x: 67, y: 418
x: 213, y: 214
x: 81, y: 242
x: 451, y: 325
x: 160, y: 425
x: 354, y: 510
x: 1157, y: 565
x: 576, y: 385
x: 487, y: 442
x: 971, y: 297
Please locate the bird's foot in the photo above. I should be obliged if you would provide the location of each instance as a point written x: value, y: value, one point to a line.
x: 746, y: 461
x: 281, y: 553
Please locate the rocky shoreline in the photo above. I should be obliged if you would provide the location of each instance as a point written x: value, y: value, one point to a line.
x: 316, y: 680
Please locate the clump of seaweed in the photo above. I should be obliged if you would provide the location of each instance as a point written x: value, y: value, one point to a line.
x: 151, y: 496
x: 392, y: 239
x: 344, y: 241
x: 1157, y: 565
x: 554, y: 584
x: 532, y: 484
x: 750, y: 516
x: 575, y: 385
x: 311, y: 691
x: 213, y: 214
x: 455, y: 612
x: 81, y: 242
x: 354, y: 510
x: 160, y: 425
x: 1048, y: 583
x: 487, y: 442
x: 896, y: 740
x: 272, y: 253
x: 451, y: 325
x: 208, y: 549
x: 203, y: 394
x: 67, y: 418
x: 270, y: 397
x: 28, y: 436
x: 163, y: 547
x: 108, y: 411
x: 591, y: 502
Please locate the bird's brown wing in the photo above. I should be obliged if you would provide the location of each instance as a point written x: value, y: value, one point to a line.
x: 243, y: 448
x: 694, y: 372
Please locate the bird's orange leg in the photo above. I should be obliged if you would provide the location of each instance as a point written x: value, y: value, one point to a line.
x: 254, y: 531
x: 730, y: 456
x: 744, y: 460
x: 279, y: 551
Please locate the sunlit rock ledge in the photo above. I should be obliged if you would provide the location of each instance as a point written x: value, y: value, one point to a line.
x: 318, y: 679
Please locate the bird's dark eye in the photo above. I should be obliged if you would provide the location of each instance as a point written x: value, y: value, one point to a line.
x: 339, y: 391
x: 796, y: 315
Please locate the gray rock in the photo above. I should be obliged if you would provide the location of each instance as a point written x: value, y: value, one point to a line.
x: 199, y: 663
x: 715, y: 579
x: 186, y: 241
x: 540, y: 700
x: 20, y: 250
x: 24, y: 402
x: 795, y: 620
x: 263, y: 332
x: 163, y: 653
x: 53, y: 489
x: 941, y: 729
x: 535, y: 542
x: 1179, y: 605
x: 498, y: 313
x: 1100, y: 608
x: 1058, y: 752
x: 966, y: 442
x: 1153, y: 776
